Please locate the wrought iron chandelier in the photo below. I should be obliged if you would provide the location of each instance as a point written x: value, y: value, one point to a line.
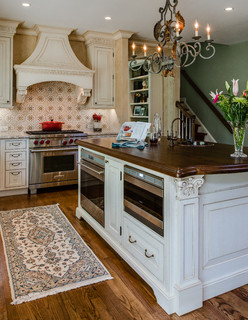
x: 167, y: 31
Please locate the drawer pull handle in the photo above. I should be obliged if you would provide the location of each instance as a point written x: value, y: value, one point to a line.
x: 15, y: 155
x: 16, y: 164
x: 15, y: 144
x: 152, y: 255
x: 15, y: 173
x: 129, y: 239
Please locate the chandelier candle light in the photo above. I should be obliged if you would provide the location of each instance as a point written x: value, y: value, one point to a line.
x: 235, y: 112
x: 167, y: 31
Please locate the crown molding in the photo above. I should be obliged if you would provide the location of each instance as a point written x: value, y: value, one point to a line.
x: 122, y: 34
x: 98, y: 38
x: 8, y: 27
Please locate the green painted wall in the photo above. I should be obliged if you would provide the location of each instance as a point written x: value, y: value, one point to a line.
x: 229, y: 62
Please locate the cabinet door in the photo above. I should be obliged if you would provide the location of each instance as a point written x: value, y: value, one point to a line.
x: 114, y: 196
x: 104, y: 77
x: 2, y: 162
x: 5, y: 70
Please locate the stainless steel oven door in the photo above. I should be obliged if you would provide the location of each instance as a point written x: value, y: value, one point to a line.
x: 92, y: 189
x: 53, y: 166
x: 144, y: 198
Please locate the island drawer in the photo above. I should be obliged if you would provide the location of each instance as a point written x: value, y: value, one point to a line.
x: 15, y: 144
x: 144, y: 247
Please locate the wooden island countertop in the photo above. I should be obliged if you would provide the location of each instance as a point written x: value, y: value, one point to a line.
x: 177, y: 161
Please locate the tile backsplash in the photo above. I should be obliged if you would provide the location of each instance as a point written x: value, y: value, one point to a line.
x: 57, y: 101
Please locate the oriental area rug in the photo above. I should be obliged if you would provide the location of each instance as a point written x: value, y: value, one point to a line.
x: 45, y: 255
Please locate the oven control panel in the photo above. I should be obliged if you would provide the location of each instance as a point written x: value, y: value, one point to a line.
x: 48, y: 142
x: 91, y: 157
x: 144, y: 176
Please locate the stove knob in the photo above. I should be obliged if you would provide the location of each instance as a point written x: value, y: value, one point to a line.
x: 36, y: 142
x: 71, y: 141
x: 64, y: 142
x: 42, y: 141
x: 47, y: 141
x: 75, y: 140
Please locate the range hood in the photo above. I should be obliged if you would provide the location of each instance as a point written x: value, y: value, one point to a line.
x: 53, y: 60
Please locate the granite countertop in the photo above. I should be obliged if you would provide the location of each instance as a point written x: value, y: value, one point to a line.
x: 13, y: 135
x: 177, y: 161
x: 21, y: 135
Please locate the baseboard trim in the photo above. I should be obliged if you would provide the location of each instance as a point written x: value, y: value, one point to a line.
x: 15, y: 192
x: 225, y: 284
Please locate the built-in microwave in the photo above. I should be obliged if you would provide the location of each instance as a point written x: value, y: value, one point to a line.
x: 144, y: 198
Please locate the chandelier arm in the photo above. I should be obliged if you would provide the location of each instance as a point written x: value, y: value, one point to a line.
x: 187, y: 51
x: 197, y: 47
x: 209, y: 47
x: 134, y: 66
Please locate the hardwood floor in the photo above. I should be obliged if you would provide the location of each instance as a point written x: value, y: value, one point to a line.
x: 125, y: 297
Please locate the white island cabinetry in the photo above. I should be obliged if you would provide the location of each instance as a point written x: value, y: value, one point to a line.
x: 203, y: 249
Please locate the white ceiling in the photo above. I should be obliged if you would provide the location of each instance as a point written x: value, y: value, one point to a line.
x: 133, y: 15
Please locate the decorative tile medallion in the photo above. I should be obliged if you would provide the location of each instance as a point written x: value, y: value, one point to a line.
x: 45, y: 255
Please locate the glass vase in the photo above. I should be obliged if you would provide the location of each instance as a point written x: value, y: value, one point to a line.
x: 97, y: 126
x: 238, y: 138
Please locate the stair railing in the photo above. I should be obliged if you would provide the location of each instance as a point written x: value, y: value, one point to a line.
x: 206, y: 100
x: 187, y: 125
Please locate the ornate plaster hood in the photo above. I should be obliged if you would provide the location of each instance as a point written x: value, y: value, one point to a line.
x: 53, y: 60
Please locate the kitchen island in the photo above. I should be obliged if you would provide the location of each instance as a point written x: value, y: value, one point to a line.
x: 198, y: 247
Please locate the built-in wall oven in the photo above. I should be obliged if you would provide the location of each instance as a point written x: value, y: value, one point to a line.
x: 92, y: 167
x: 144, y: 198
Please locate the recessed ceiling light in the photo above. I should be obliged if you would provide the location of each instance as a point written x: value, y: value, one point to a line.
x: 229, y: 9
x: 26, y: 4
x: 107, y: 18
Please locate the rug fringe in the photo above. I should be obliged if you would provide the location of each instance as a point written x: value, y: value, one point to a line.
x: 40, y: 295
x: 7, y: 265
x: 28, y: 208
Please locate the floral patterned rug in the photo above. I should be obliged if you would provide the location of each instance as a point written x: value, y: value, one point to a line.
x: 45, y: 255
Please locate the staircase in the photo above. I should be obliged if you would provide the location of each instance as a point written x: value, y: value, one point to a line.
x: 191, y: 128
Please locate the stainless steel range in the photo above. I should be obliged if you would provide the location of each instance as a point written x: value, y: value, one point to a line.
x: 53, y: 158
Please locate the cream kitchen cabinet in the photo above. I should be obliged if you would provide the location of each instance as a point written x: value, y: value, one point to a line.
x: 14, y: 166
x: 7, y: 31
x: 100, y: 50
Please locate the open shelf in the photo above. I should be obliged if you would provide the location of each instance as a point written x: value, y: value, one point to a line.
x: 138, y: 103
x: 139, y: 78
x: 139, y: 90
x: 143, y: 117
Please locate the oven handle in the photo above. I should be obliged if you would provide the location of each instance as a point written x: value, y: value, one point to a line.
x: 48, y: 150
x: 89, y: 168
